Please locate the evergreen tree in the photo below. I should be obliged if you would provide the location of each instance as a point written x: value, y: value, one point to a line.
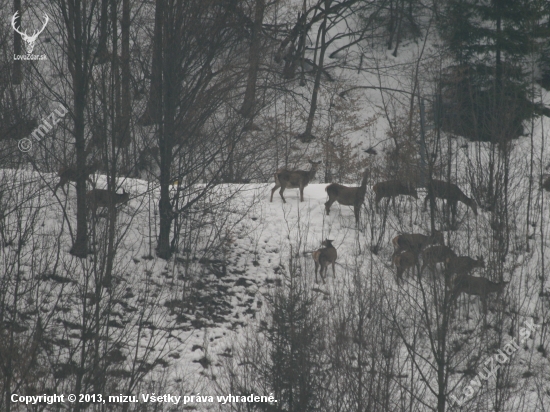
x: 484, y: 95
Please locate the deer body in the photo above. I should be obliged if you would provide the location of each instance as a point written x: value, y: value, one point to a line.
x: 70, y: 174
x: 463, y: 265
x: 347, y: 196
x: 104, y: 198
x: 324, y: 257
x: 449, y: 192
x: 477, y: 286
x: 415, y: 242
x: 403, y: 262
x: 436, y: 254
x: 392, y: 188
x: 294, y: 179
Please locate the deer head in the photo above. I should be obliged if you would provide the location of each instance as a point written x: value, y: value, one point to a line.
x: 29, y: 40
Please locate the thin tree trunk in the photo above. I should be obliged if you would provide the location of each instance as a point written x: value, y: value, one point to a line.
x: 102, y: 54
x: 153, y: 111
x: 248, y: 106
x: 78, y: 60
x: 17, y: 75
x: 313, y: 107
x: 124, y: 137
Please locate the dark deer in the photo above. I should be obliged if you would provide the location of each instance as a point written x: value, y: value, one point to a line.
x: 463, y: 265
x: 324, y: 257
x: 436, y: 254
x: 104, y: 198
x: 415, y: 242
x: 404, y: 261
x: 449, y: 192
x: 477, y: 286
x: 294, y: 179
x: 70, y: 174
x: 347, y: 196
x: 392, y: 188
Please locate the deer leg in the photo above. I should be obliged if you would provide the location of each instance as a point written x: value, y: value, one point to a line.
x: 301, y: 193
x: 273, y: 191
x: 316, y: 269
x: 356, y: 212
x: 281, y: 193
x: 328, y: 204
x: 333, y: 269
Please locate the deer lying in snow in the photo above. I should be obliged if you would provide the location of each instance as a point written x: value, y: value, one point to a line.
x: 103, y: 198
x: 403, y: 262
x: 477, y: 286
x: 347, y: 196
x: 323, y: 257
x: 294, y: 179
x: 70, y: 173
x: 449, y: 192
x: 436, y: 254
x: 415, y: 242
x: 392, y: 188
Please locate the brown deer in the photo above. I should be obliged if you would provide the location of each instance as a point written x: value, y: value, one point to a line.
x: 415, y: 242
x: 403, y: 262
x: 323, y: 257
x: 104, y: 198
x: 449, y: 192
x: 294, y: 179
x: 477, y: 286
x: 463, y: 265
x: 347, y: 196
x: 70, y: 173
x: 436, y: 254
x: 392, y: 188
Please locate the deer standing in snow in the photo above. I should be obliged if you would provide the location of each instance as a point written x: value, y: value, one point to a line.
x: 477, y: 286
x: 392, y: 188
x: 324, y: 257
x: 294, y: 179
x: 415, y: 242
x: 436, y: 254
x: 104, y: 198
x: 347, y: 196
x: 449, y: 192
x: 70, y: 174
x: 404, y: 261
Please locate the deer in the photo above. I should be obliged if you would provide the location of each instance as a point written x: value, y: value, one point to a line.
x: 392, y: 188
x: 323, y: 257
x: 347, y: 196
x: 436, y: 254
x: 415, y: 242
x: 403, y: 262
x: 294, y: 179
x: 449, y: 192
x: 477, y: 286
x: 68, y: 174
x: 104, y: 198
x: 463, y: 265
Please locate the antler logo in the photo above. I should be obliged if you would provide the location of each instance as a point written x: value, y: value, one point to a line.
x: 29, y: 40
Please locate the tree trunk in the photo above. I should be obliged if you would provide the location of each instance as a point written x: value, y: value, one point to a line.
x: 313, y: 108
x: 124, y: 137
x: 153, y: 111
x: 17, y: 75
x: 78, y: 59
x: 102, y: 54
x: 247, y: 109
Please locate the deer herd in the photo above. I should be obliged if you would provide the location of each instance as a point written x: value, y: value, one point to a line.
x: 409, y: 248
